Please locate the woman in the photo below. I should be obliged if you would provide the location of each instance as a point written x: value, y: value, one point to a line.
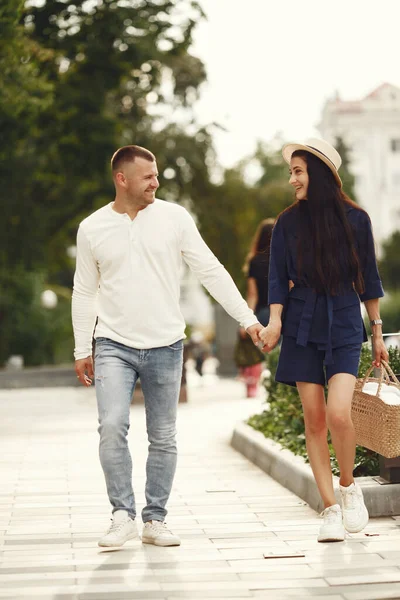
x: 256, y: 270
x: 323, y: 243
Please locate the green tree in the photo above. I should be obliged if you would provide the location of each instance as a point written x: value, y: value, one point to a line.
x: 24, y: 94
x: 78, y: 80
x: 346, y: 175
x: 272, y: 165
x: 389, y: 265
x: 113, y: 66
x: 229, y: 213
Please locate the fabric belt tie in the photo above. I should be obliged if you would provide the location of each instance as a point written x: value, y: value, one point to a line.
x: 303, y: 333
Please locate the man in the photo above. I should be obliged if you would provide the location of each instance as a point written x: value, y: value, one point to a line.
x: 129, y: 256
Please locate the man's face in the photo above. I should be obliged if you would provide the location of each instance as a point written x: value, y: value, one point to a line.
x: 140, y: 180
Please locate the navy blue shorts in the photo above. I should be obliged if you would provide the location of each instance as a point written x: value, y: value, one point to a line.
x: 299, y: 363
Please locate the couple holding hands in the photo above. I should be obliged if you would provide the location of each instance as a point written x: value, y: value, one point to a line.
x: 126, y: 290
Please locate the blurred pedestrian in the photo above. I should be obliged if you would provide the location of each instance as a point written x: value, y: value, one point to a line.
x: 324, y: 244
x: 129, y: 258
x: 256, y: 270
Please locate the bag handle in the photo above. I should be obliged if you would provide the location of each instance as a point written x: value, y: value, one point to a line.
x: 382, y: 374
x: 390, y: 372
x: 385, y: 374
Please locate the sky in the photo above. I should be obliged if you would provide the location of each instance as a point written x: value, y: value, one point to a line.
x: 272, y: 64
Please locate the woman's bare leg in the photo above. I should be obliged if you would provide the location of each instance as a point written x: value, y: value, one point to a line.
x: 340, y: 394
x: 314, y: 409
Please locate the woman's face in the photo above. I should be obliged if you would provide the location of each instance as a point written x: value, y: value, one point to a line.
x: 299, y: 177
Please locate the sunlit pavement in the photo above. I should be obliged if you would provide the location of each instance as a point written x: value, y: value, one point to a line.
x: 243, y: 535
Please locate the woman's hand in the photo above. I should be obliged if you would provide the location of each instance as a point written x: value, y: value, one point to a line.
x: 380, y: 352
x: 270, y: 335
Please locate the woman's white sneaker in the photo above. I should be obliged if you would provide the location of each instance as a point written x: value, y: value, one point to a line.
x: 355, y: 514
x: 122, y: 529
x: 157, y: 533
x: 332, y: 529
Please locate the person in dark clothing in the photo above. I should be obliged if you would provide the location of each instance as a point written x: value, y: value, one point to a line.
x: 323, y: 243
x: 256, y: 270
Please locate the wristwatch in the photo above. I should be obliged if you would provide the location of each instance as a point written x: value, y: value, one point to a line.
x: 376, y: 322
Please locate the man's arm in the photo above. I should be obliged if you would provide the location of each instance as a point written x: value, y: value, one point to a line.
x: 86, y: 284
x: 214, y: 276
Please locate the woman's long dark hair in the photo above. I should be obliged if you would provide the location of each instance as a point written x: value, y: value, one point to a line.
x: 260, y: 243
x: 325, y: 230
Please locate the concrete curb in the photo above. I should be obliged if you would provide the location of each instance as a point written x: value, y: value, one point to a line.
x: 293, y: 473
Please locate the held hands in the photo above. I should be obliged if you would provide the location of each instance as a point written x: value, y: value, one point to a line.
x: 83, y: 366
x: 270, y: 335
x: 253, y: 332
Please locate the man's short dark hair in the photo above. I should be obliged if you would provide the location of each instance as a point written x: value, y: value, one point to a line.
x: 128, y: 154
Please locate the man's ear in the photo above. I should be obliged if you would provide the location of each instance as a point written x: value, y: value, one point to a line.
x: 120, y: 178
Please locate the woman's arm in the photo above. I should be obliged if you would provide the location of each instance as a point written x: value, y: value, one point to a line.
x: 373, y: 286
x: 278, y: 289
x: 378, y: 346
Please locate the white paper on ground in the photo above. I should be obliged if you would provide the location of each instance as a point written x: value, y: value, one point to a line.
x: 389, y: 394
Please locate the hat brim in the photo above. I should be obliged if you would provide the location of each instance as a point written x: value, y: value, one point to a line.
x: 288, y: 150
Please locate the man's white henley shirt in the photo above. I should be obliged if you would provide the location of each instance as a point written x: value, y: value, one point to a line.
x: 128, y: 275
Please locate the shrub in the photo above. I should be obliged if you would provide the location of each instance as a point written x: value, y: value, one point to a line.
x: 40, y: 335
x: 283, y: 421
x: 390, y: 312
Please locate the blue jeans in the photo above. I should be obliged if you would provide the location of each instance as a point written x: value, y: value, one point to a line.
x: 117, y: 369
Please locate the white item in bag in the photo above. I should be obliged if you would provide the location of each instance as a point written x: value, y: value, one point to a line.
x: 389, y: 393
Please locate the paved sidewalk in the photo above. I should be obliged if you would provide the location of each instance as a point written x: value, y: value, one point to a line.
x: 243, y: 535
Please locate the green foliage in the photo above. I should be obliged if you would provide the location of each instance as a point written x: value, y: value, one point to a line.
x: 389, y: 265
x: 40, y: 335
x: 390, y: 312
x: 283, y: 421
x: 80, y: 79
x: 345, y: 174
x: 229, y: 213
x: 77, y: 80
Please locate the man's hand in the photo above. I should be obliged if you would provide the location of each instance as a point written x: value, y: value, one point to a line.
x: 83, y: 366
x: 270, y: 335
x: 253, y: 332
x: 380, y: 351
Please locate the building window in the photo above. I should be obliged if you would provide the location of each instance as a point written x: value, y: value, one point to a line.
x: 395, y: 145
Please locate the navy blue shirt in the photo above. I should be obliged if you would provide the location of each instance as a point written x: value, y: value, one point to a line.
x: 329, y: 321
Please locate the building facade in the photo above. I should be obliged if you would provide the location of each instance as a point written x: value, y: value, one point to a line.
x: 370, y: 128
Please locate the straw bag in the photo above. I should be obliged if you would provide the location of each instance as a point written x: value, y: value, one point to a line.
x: 376, y: 412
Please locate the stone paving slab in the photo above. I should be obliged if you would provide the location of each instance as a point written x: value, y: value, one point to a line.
x: 243, y: 534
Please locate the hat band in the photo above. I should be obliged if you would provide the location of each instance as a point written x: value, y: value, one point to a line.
x: 327, y: 157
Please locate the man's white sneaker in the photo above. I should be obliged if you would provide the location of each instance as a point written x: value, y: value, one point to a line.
x: 157, y: 533
x: 332, y: 529
x: 122, y: 529
x: 355, y: 514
